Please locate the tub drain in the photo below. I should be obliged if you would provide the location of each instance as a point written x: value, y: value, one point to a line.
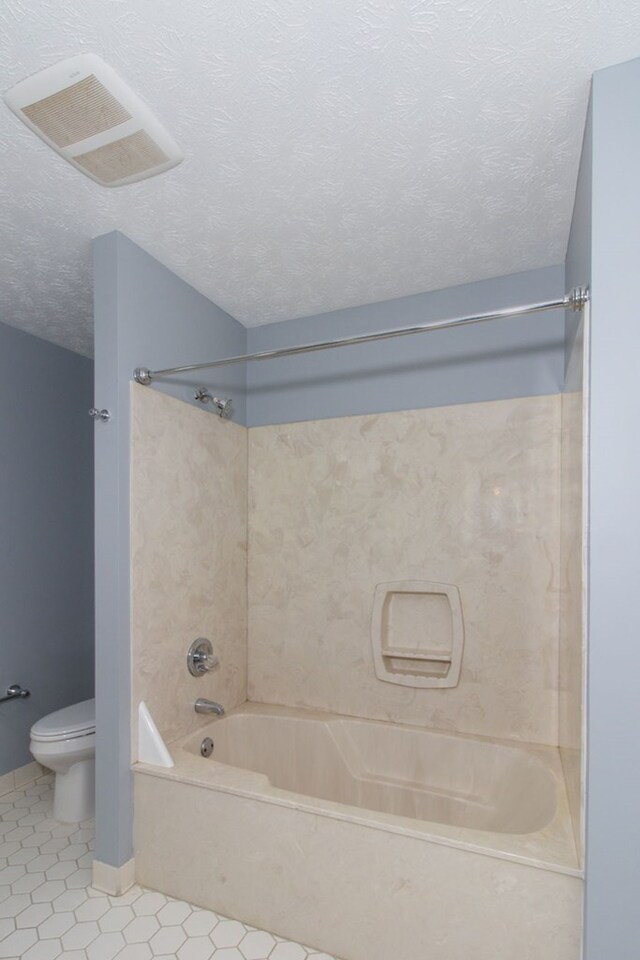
x: 206, y: 747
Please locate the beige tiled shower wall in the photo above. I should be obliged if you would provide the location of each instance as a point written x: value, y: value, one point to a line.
x: 468, y: 495
x: 189, y: 556
x: 571, y: 661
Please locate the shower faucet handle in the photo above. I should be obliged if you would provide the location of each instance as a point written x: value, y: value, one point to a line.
x: 201, y: 658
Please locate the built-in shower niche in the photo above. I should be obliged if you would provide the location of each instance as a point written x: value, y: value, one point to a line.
x: 417, y: 633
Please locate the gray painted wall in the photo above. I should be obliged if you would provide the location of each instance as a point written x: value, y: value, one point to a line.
x: 46, y: 533
x: 491, y: 361
x: 144, y: 316
x: 613, y: 712
x: 578, y: 260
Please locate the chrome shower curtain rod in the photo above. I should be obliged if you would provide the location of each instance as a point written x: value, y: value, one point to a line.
x: 575, y: 300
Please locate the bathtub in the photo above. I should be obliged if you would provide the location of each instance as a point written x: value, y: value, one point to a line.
x: 366, y: 839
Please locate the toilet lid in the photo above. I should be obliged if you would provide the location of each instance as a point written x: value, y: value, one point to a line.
x: 75, y: 721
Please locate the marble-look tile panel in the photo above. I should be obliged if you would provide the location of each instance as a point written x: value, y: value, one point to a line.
x: 188, y: 557
x: 571, y: 662
x: 468, y: 495
x: 351, y: 890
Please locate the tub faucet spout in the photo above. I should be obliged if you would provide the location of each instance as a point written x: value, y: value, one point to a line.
x: 208, y: 706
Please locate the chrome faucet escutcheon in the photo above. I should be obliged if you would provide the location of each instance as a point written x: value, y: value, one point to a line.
x: 200, y: 657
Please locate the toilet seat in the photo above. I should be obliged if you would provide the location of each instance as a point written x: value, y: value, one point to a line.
x: 70, y: 723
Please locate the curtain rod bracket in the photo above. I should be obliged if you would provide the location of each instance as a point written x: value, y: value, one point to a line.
x: 577, y: 298
x: 142, y: 375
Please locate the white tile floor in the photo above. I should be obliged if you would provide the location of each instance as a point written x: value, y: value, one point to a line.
x: 48, y: 909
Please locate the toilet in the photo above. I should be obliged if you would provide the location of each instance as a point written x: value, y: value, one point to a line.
x: 65, y: 742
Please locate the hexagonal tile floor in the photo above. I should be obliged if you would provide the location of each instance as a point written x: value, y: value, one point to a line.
x: 49, y: 910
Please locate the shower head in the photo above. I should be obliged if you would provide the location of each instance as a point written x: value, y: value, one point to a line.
x: 223, y: 404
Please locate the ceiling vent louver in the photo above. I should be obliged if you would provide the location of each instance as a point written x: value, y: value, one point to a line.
x: 88, y: 115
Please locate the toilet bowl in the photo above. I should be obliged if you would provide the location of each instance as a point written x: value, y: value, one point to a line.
x: 64, y: 741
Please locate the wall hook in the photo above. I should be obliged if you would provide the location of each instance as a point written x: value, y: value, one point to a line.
x: 102, y: 415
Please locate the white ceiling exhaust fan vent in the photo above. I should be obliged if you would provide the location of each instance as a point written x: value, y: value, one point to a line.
x: 82, y: 109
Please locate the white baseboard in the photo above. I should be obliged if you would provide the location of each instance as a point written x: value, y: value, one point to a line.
x: 16, y: 779
x: 114, y: 880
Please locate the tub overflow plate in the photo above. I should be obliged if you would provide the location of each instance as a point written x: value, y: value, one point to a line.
x: 206, y: 747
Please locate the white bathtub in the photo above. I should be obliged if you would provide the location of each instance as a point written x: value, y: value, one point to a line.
x: 370, y: 840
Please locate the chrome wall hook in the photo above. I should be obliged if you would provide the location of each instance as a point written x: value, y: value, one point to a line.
x: 103, y: 415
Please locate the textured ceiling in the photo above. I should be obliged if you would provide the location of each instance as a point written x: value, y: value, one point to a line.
x: 338, y: 152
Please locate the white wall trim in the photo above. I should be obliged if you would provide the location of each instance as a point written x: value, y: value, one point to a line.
x: 114, y: 880
x: 16, y: 779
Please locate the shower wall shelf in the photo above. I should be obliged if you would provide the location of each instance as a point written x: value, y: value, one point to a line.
x: 399, y: 654
x: 417, y: 633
